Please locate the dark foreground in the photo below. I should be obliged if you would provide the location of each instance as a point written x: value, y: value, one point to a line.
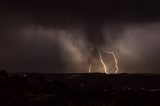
x: 79, y: 89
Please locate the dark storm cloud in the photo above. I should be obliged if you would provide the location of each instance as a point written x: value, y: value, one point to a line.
x: 62, y: 38
x: 32, y: 45
x: 137, y: 45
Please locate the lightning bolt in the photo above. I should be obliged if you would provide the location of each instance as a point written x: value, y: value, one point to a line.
x: 100, y: 56
x: 115, y: 59
x: 104, y: 65
x: 90, y: 67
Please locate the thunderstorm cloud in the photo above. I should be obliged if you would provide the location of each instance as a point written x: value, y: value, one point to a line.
x: 60, y: 41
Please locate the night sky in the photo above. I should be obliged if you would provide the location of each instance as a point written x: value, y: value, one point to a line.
x: 45, y: 36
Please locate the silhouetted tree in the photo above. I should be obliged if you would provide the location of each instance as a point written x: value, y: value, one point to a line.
x: 3, y: 74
